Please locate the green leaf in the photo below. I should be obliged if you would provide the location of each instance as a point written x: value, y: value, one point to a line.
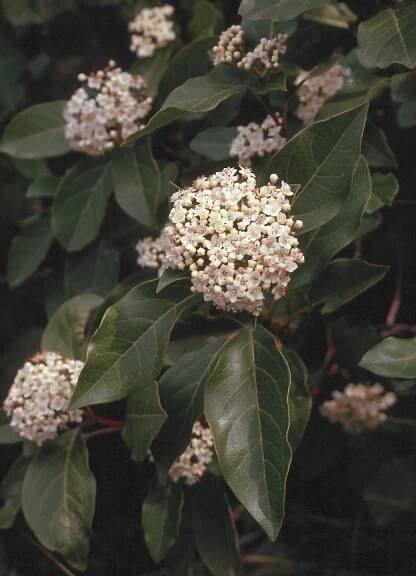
x: 11, y: 492
x: 65, y: 332
x: 376, y: 148
x: 246, y: 405
x: 59, y: 497
x: 344, y: 279
x: 276, y: 9
x: 44, y: 187
x: 313, y: 158
x: 154, y: 68
x: 136, y: 181
x: 181, y: 390
x: 7, y: 433
x: 339, y: 232
x: 393, y: 358
x: 206, y: 19
x: 406, y: 115
x: 29, y: 250
x: 385, y: 187
x: 403, y: 87
x: 130, y: 343
x: 37, y: 132
x: 214, y: 143
x: 161, y: 518
x: 80, y: 206
x: 300, y: 400
x: 32, y: 168
x: 388, y: 38
x: 144, y: 418
x: 332, y: 14
x: 215, y: 533
x: 197, y: 95
x: 170, y: 276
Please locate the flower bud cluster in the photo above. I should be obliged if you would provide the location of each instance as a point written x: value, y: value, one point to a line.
x: 258, y: 139
x: 151, y: 251
x: 39, y: 397
x: 105, y: 110
x: 152, y: 29
x: 193, y: 463
x: 236, y: 238
x: 231, y: 49
x: 358, y: 407
x: 313, y: 92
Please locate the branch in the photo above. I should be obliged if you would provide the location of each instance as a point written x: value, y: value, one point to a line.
x: 50, y: 556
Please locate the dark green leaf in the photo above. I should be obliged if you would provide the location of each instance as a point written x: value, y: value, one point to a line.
x: 214, y: 143
x: 65, y: 332
x: 393, y: 357
x: 80, y: 206
x: 181, y: 390
x: 276, y: 9
x: 29, y: 250
x: 300, y: 400
x: 215, y: 533
x: 384, y: 187
x: 403, y: 87
x: 406, y: 115
x: 59, y: 497
x: 129, y: 345
x: 197, y: 95
x: 154, y: 68
x: 313, y: 158
x: 161, y: 518
x: 389, y: 38
x: 44, y: 187
x: 8, y: 435
x: 376, y: 148
x: 332, y: 14
x: 144, y: 418
x: 11, y: 492
x: 170, y: 276
x: 136, y: 181
x: 32, y: 168
x: 246, y: 405
x: 206, y: 19
x: 37, y: 132
x: 344, y: 279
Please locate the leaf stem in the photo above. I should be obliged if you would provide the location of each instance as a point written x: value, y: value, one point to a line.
x: 102, y: 432
x: 50, y: 556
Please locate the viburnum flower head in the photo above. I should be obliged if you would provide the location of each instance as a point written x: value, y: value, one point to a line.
x: 358, y: 407
x: 193, y: 463
x: 236, y: 238
x: 39, y: 397
x: 151, y: 29
x: 258, y: 139
x: 108, y: 107
x: 151, y: 252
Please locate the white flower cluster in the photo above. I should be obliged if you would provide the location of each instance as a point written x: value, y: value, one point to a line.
x: 152, y: 29
x: 235, y: 237
x: 192, y: 464
x: 107, y: 109
x: 258, y: 139
x: 231, y: 50
x: 358, y: 407
x: 151, y: 251
x: 315, y: 91
x: 40, y: 394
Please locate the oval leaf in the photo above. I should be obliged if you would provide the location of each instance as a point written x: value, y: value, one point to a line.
x: 393, y: 357
x: 278, y: 10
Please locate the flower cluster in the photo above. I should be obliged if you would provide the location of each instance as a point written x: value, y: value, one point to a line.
x: 105, y: 110
x: 231, y: 49
x: 39, y: 397
x: 358, y: 407
x: 151, y: 251
x: 235, y: 237
x: 152, y: 29
x: 192, y: 464
x: 258, y: 139
x: 313, y: 92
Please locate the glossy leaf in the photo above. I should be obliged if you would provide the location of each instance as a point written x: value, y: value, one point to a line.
x: 144, y: 418
x: 181, y: 390
x: 161, y: 518
x: 392, y: 357
x: 197, y: 95
x: 29, y: 250
x: 276, y: 9
x: 215, y: 533
x: 136, y: 181
x: 129, y: 345
x: 11, y: 492
x: 37, y: 132
x: 389, y: 38
x: 246, y: 405
x: 344, y: 279
x: 59, y: 497
x: 214, y: 143
x: 80, y: 206
x: 65, y: 331
x: 300, y: 400
x: 313, y: 158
